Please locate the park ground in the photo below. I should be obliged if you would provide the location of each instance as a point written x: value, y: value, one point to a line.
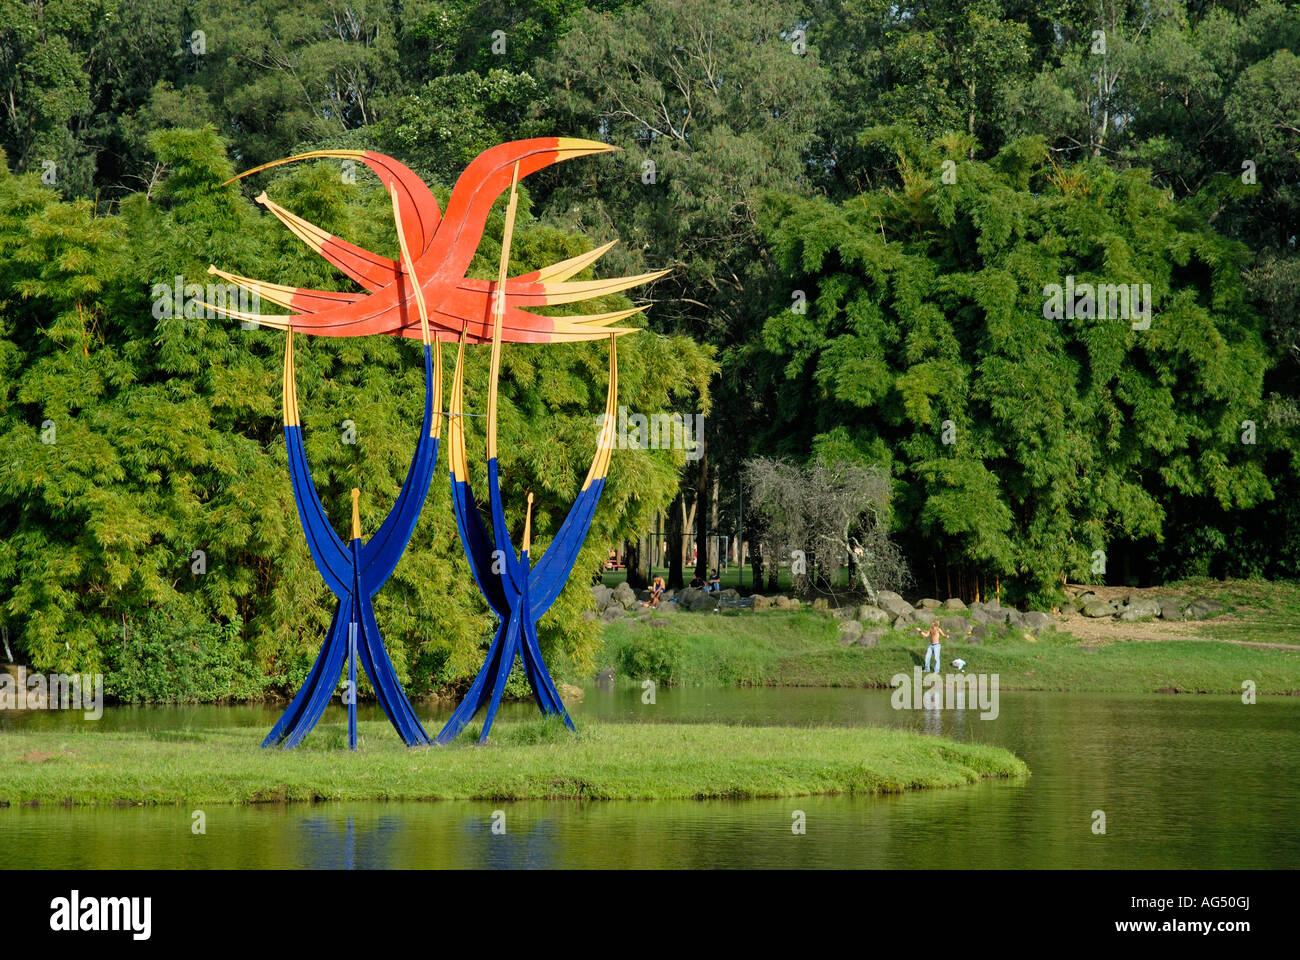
x: 1256, y: 639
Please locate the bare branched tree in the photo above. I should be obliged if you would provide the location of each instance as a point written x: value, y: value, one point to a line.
x: 837, y: 512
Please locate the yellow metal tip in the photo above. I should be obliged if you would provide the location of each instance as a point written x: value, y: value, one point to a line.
x: 314, y: 155
x: 569, y: 147
x: 356, y: 514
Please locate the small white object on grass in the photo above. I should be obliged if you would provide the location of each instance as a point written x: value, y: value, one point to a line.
x: 960, y: 664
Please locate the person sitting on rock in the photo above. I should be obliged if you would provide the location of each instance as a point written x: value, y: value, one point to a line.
x: 934, y: 632
x: 715, y: 582
x: 697, y: 583
x: 656, y: 592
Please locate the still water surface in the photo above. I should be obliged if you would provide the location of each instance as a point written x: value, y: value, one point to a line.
x: 1183, y: 781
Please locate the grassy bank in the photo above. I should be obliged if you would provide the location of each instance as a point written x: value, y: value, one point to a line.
x: 532, y: 760
x: 804, y: 649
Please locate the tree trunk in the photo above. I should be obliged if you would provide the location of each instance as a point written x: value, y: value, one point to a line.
x: 715, y: 548
x: 702, y: 511
x: 673, y: 542
x: 635, y: 574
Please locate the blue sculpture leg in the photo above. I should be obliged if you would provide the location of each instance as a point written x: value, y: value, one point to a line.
x: 352, y: 685
x: 388, y: 688
x: 507, y: 662
x: 293, y: 713
x: 320, y: 694
x: 540, y: 677
x: 477, y: 692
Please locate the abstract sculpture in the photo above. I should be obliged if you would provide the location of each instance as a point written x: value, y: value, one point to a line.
x: 435, y: 251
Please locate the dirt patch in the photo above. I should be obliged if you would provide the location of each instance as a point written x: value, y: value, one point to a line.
x: 37, y: 756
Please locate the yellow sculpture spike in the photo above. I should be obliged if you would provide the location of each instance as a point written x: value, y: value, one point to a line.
x: 346, y: 154
x: 456, y: 424
x: 572, y: 292
x: 528, y: 524
x: 574, y: 265
x: 290, y: 386
x: 499, y: 312
x: 605, y: 449
x: 356, y: 514
x: 410, y: 269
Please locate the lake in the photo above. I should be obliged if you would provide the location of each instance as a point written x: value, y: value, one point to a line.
x: 1183, y: 782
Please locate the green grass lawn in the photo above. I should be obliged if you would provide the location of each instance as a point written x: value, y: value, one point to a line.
x: 537, y: 759
x: 803, y: 649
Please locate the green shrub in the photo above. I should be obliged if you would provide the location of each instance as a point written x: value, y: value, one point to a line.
x: 655, y: 656
x: 166, y: 660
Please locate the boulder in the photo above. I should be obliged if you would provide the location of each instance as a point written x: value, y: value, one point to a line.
x: 869, y: 614
x: 624, y: 594
x: 1037, y: 621
x: 688, y: 594
x: 568, y: 691
x: 893, y: 607
x: 761, y: 602
x: 850, y: 630
x: 666, y: 608
x: 821, y: 605
x: 903, y: 623
x: 781, y: 603
x: 981, y: 614
x: 1014, y: 618
x: 952, y: 603
x: 1097, y: 608
x: 882, y: 595
x: 870, y: 638
x: 1141, y: 608
x: 701, y: 603
x: 601, y: 594
x: 795, y: 603
x: 605, y: 678
x: 1171, y: 610
x: 1202, y: 608
x: 611, y: 613
x: 642, y: 595
x: 978, y: 634
x: 843, y: 613
x: 955, y: 627
x: 928, y: 603
x: 729, y: 594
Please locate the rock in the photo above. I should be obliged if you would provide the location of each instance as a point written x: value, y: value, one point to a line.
x: 893, y: 607
x: 821, y: 605
x: 668, y: 594
x: 842, y: 613
x: 605, y: 678
x: 850, y: 630
x: 952, y: 603
x: 882, y: 595
x: 729, y: 594
x: 980, y: 614
x: 869, y: 614
x: 688, y: 594
x: 1037, y: 621
x: 623, y: 594
x: 568, y: 692
x: 956, y: 627
x: 1202, y: 608
x: 903, y: 623
x: 993, y: 604
x: 928, y: 603
x: 1014, y: 618
x: 761, y: 602
x: 642, y: 595
x: 1171, y: 610
x: 588, y: 616
x: 644, y: 613
x: 1096, y: 608
x: 701, y: 603
x: 659, y: 621
x: 611, y: 613
x: 666, y: 608
x: 781, y: 603
x: 871, y: 638
x: 978, y: 634
x: 1141, y: 608
x: 602, y: 595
